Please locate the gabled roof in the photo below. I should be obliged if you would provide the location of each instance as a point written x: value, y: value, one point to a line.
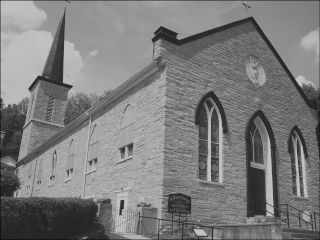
x: 170, y: 36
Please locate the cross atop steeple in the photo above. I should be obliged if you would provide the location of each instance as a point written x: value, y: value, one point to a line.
x: 53, y: 68
x: 247, y: 6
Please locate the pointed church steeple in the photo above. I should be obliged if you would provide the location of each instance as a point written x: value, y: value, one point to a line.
x: 53, y: 69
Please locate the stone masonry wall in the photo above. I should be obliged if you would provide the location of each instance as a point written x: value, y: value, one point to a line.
x: 44, y: 91
x: 217, y: 63
x: 36, y: 133
x: 142, y: 175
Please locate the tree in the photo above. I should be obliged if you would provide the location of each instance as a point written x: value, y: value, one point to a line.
x: 23, y: 106
x: 80, y: 102
x: 312, y: 93
x: 12, y: 122
x: 9, y: 182
x: 314, y: 96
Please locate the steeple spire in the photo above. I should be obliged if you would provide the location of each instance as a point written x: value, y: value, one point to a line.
x: 53, y: 68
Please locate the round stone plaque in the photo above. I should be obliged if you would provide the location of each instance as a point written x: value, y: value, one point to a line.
x: 255, y: 71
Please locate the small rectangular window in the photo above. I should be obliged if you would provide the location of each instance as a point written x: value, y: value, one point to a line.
x: 123, y: 152
x: 69, y: 173
x: 121, y: 207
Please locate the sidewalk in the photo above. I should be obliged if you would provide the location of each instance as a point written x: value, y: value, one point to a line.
x: 132, y: 236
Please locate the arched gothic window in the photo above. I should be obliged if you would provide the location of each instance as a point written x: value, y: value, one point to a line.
x: 29, y: 178
x: 70, y: 160
x: 297, y: 150
x: 50, y: 108
x: 53, y: 167
x: 210, y: 142
x: 93, y: 149
x: 255, y: 145
x: 39, y: 175
x: 126, y: 134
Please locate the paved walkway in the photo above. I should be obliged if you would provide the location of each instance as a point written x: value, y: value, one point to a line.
x: 132, y: 236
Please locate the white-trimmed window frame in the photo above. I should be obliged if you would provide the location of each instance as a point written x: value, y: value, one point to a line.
x: 126, y: 152
x: 39, y: 181
x: 92, y: 165
x: 209, y: 115
x: 295, y: 138
x: 53, y: 170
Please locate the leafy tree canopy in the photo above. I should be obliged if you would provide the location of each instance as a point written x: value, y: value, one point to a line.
x: 80, y: 102
x: 312, y: 93
x: 9, y: 182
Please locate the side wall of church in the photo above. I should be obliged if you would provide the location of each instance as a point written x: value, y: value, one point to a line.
x: 142, y: 175
x: 217, y: 63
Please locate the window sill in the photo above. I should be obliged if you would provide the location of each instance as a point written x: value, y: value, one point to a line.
x: 67, y: 180
x: 91, y: 171
x: 125, y: 159
x: 301, y: 198
x: 210, y: 184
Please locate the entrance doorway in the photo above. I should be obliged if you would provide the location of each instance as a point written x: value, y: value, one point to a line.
x: 120, y: 212
x: 261, y: 177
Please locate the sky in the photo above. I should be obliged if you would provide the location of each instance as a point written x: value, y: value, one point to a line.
x: 107, y: 42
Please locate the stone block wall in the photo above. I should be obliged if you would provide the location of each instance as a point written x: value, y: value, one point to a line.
x: 43, y: 91
x: 36, y: 132
x: 142, y: 175
x: 217, y: 63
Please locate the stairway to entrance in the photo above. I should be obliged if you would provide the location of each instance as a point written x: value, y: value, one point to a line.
x: 290, y: 233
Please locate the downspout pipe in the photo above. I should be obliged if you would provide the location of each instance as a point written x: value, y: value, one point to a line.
x: 34, y: 175
x: 86, y: 157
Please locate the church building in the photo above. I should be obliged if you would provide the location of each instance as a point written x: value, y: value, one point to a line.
x: 216, y: 116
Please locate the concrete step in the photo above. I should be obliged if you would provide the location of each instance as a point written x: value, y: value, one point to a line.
x: 300, y: 233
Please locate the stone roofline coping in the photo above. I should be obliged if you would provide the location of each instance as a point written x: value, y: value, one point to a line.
x: 146, y: 72
x: 38, y: 120
x: 34, y: 84
x: 167, y: 37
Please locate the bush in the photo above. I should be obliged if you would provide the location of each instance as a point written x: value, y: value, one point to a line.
x: 9, y: 182
x: 30, y: 218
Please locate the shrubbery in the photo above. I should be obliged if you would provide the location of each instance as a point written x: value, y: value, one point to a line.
x: 30, y: 218
x: 9, y: 182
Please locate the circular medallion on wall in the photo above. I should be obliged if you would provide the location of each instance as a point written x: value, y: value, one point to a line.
x: 255, y: 71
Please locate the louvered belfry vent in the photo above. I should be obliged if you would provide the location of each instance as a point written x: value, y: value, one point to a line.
x: 50, y: 109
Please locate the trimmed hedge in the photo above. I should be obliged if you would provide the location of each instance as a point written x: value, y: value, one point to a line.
x: 30, y: 218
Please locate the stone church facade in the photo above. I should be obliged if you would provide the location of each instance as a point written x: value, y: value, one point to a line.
x: 216, y: 116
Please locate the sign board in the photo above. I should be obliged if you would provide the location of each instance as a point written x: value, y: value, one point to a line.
x: 179, y: 203
x: 200, y: 232
x: 306, y: 216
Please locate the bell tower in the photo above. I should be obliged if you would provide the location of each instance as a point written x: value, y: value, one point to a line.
x: 48, y: 98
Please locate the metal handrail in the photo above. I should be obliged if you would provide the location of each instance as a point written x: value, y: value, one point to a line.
x: 296, y: 209
x: 310, y: 215
x: 275, y: 216
x: 182, y: 222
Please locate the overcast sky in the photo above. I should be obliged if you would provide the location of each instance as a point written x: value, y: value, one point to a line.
x: 108, y: 42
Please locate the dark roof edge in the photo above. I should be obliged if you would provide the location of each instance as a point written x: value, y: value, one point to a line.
x: 234, y: 24
x: 49, y: 81
x: 304, y: 96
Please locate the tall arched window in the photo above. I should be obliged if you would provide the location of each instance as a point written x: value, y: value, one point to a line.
x: 70, y: 160
x: 93, y: 149
x: 255, y: 145
x: 50, y: 109
x: 29, y: 178
x: 210, y: 141
x: 298, y: 152
x: 126, y: 134
x: 53, y: 167
x: 39, y: 175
